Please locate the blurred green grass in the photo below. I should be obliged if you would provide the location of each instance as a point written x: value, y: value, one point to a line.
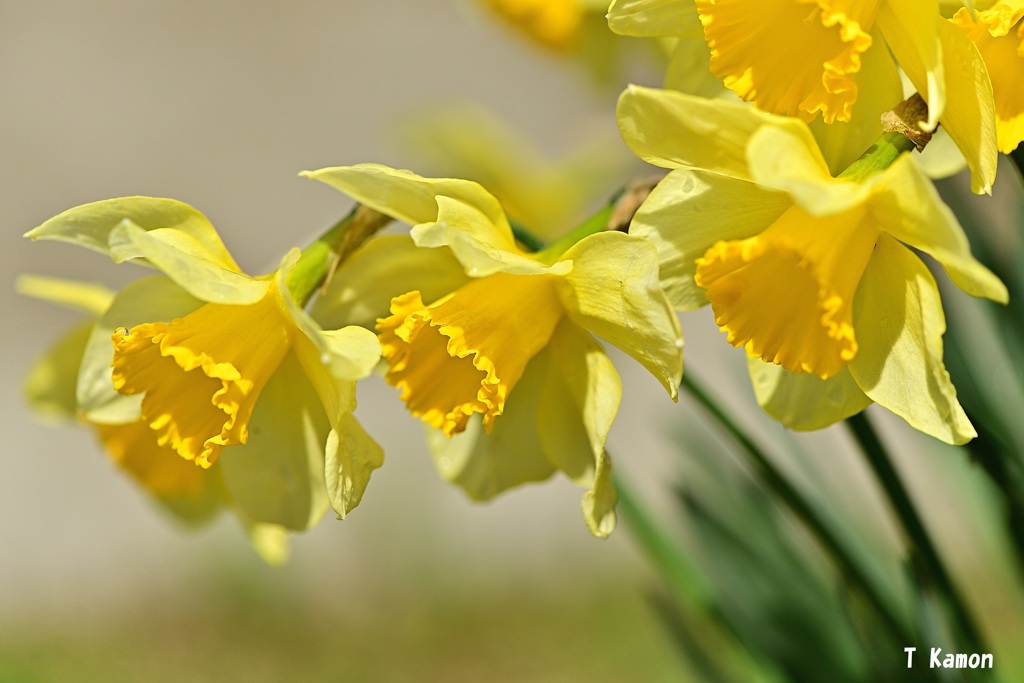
x: 248, y: 627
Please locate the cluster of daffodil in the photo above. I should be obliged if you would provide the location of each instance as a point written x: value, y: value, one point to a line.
x: 216, y: 389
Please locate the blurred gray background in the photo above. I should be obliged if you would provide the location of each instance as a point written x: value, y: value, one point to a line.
x: 221, y: 104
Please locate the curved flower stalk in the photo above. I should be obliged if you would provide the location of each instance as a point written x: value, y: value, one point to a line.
x: 221, y: 366
x: 504, y: 367
x: 810, y: 273
x: 191, y: 494
x: 999, y: 34
x: 803, y: 58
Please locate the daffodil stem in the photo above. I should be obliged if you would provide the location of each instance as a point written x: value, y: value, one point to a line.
x: 879, y: 156
x: 319, y: 260
x: 922, y: 548
x: 859, y: 576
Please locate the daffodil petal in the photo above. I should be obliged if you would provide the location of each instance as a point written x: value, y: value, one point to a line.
x: 483, y: 465
x: 688, y: 212
x: 49, y: 387
x: 803, y: 401
x: 352, y: 456
x: 653, y: 18
x: 841, y: 143
x: 190, y: 493
x: 152, y: 299
x: 579, y: 402
x: 598, y: 503
x: 970, y: 117
x: 347, y: 354
x: 90, y: 225
x: 574, y: 416
x: 672, y: 129
x: 183, y: 259
x: 778, y: 160
x: 333, y: 360
x: 277, y: 476
x: 87, y: 297
x: 614, y: 292
x: 383, y: 268
x: 270, y: 541
x: 899, y: 322
x: 412, y: 199
x: 911, y: 28
x: 907, y: 206
x: 689, y: 69
x: 467, y: 232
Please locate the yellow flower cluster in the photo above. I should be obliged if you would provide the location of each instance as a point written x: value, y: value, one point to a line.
x: 805, y: 249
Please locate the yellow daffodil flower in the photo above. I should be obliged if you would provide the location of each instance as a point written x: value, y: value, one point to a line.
x: 191, y: 494
x: 806, y: 271
x: 504, y: 366
x: 999, y: 34
x: 209, y: 358
x: 805, y: 57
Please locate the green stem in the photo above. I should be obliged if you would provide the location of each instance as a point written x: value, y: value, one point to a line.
x: 922, y: 547
x: 320, y: 258
x: 859, y: 576
x: 879, y: 156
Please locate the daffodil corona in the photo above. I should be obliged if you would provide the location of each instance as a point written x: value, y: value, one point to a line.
x: 504, y: 367
x: 804, y: 270
x: 202, y: 373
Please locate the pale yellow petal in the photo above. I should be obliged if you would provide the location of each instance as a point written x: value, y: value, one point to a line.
x: 184, y: 259
x: 778, y: 160
x: 270, y: 541
x: 970, y: 116
x: 688, y: 212
x: 88, y: 297
x: 653, y: 18
x: 575, y: 414
x: 277, y: 476
x: 907, y: 206
x: 484, y: 464
x: 347, y: 354
x: 412, y: 199
x: 90, y: 225
x: 49, y: 386
x: 803, y: 401
x: 911, y: 29
x: 614, y: 292
x: 689, y: 70
x: 468, y: 232
x: 152, y: 299
x: 672, y: 129
x: 383, y: 268
x: 899, y: 322
x: 352, y: 456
